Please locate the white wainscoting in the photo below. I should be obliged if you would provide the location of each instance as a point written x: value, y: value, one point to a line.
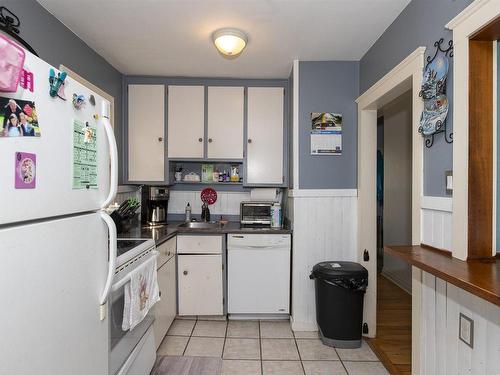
x: 440, y: 350
x: 324, y: 228
x: 436, y: 222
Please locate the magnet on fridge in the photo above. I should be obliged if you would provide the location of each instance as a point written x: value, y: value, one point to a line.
x: 26, y: 80
x: 96, y: 116
x: 92, y: 99
x: 25, y: 170
x: 78, y: 101
x: 88, y: 133
x: 55, y: 84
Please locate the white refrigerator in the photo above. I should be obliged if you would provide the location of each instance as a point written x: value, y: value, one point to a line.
x: 57, y: 248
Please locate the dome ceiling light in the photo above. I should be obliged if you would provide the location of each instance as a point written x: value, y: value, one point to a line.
x: 230, y: 42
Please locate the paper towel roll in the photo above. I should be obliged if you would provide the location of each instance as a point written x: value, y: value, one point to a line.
x: 263, y: 194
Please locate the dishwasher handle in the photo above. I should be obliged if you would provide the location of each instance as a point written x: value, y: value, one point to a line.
x: 259, y: 247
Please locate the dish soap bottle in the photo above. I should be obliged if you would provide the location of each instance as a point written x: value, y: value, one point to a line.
x: 188, y: 213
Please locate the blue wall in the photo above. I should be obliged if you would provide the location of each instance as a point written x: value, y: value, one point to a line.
x: 421, y: 23
x: 56, y: 44
x: 328, y: 86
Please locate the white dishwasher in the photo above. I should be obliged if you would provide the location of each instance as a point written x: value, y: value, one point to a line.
x: 258, y: 269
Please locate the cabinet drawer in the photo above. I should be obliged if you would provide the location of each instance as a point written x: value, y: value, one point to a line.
x: 167, y: 250
x: 199, y: 244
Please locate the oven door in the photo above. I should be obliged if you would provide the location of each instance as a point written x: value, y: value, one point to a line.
x: 122, y: 343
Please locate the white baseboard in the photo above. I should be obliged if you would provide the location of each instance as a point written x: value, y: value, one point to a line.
x: 303, y: 326
x: 396, y: 280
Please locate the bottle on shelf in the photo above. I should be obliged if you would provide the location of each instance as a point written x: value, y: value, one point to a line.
x: 235, y: 174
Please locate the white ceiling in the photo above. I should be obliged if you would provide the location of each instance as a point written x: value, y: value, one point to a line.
x: 173, y: 37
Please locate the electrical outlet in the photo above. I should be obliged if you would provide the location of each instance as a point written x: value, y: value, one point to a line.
x: 466, y: 330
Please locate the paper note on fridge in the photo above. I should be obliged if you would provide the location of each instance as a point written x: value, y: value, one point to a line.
x: 84, y: 155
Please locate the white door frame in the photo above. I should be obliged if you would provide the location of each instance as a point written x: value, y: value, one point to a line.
x: 407, y: 75
x: 472, y: 19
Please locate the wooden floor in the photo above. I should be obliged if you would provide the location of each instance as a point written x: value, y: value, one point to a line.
x: 393, y: 342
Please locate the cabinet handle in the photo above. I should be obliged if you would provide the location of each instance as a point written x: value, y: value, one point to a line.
x: 159, y: 293
x: 209, y: 140
x: 249, y: 140
x: 168, y: 253
x: 185, y: 272
x: 160, y: 139
x: 200, y: 139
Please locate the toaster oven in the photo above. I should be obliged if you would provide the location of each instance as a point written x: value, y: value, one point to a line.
x: 256, y: 213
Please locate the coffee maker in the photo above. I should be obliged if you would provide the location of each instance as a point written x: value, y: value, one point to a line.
x: 156, y: 199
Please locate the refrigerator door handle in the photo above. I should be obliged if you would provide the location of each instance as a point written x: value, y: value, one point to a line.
x: 111, y: 263
x: 113, y: 151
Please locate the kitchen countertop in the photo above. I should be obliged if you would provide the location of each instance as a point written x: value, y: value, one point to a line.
x: 165, y: 232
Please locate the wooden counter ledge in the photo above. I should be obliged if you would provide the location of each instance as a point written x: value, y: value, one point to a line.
x: 480, y: 278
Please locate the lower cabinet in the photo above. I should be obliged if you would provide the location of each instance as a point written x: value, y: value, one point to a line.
x: 165, y: 309
x: 200, y: 284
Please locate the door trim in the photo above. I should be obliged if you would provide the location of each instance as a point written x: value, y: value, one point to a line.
x: 467, y: 23
x: 407, y: 75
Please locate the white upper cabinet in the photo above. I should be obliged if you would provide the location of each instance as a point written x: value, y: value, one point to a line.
x: 186, y: 121
x: 146, y: 127
x: 265, y: 135
x: 225, y: 122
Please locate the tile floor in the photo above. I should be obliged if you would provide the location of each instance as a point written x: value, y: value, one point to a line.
x: 265, y: 348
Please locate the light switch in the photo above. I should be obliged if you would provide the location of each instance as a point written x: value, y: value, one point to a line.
x: 449, y: 181
x: 466, y: 330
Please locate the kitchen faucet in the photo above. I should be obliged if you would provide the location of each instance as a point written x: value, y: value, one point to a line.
x: 205, y: 213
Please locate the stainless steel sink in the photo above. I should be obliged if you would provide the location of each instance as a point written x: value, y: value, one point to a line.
x: 202, y: 225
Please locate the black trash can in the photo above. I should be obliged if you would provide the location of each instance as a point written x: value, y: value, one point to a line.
x: 340, y: 289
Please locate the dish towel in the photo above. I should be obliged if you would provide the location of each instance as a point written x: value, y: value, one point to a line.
x: 141, y: 293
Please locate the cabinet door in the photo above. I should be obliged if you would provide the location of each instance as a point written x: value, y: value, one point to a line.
x: 265, y: 135
x: 186, y: 121
x: 166, y: 308
x: 200, y: 284
x: 225, y: 122
x: 146, y: 128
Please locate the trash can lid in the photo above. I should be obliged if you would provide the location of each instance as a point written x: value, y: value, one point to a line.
x: 336, y: 270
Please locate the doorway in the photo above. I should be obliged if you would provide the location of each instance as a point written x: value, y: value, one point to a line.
x: 394, y: 227
x: 406, y: 76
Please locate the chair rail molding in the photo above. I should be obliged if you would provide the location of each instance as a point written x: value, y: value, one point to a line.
x: 321, y: 193
x: 437, y: 203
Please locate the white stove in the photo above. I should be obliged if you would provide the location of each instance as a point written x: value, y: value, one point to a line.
x: 133, y: 351
x: 129, y: 248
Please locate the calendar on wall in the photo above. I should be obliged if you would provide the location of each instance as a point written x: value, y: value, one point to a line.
x: 326, y: 133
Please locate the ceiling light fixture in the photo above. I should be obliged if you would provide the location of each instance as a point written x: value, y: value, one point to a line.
x: 230, y: 42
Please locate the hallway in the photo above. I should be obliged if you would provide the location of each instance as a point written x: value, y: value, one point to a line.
x: 393, y: 342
